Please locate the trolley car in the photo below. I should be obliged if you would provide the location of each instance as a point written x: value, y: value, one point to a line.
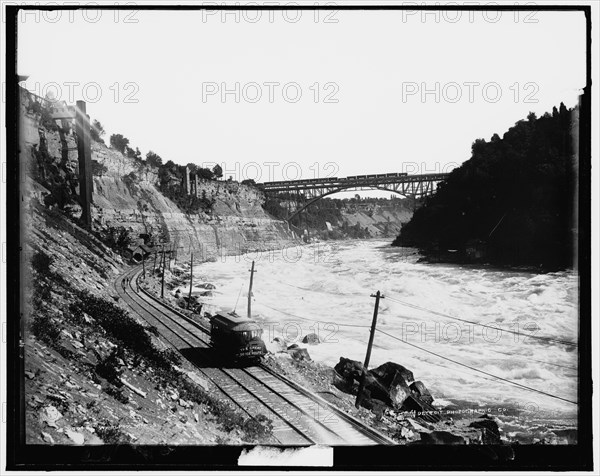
x: 236, y: 337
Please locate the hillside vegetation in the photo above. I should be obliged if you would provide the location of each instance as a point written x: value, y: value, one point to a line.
x: 511, y: 203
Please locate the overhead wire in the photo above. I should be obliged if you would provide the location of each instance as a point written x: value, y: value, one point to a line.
x: 441, y: 314
x: 496, y: 377
x: 478, y: 370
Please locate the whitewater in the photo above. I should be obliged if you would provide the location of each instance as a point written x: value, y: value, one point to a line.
x: 326, y: 288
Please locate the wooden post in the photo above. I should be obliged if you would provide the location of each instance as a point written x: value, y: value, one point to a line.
x: 155, y: 255
x: 191, y: 279
x: 250, y: 291
x: 143, y: 264
x: 162, y: 285
x: 84, y: 153
x: 361, y: 387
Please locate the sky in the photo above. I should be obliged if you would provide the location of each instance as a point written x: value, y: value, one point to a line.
x: 278, y: 95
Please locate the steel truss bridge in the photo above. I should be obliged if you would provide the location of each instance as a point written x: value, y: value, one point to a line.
x: 308, y: 191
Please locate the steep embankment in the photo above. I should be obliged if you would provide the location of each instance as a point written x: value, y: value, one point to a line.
x: 95, y: 371
x: 236, y: 223
x: 512, y: 203
x: 381, y: 218
x: 336, y: 219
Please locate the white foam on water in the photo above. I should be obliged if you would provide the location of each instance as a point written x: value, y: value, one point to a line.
x: 326, y: 288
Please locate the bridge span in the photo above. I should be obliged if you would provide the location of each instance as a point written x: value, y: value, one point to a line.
x: 311, y: 190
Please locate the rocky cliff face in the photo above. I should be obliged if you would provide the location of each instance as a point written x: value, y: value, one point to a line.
x: 236, y: 224
x: 383, y: 218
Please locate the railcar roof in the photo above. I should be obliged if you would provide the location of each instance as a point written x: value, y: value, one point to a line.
x: 235, y: 321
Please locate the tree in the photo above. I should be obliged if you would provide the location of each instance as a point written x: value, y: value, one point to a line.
x: 510, y: 203
x: 205, y: 174
x: 97, y: 131
x: 217, y: 171
x: 118, y: 237
x: 118, y: 142
x: 153, y: 159
x: 134, y: 154
x: 248, y: 182
x: 193, y: 168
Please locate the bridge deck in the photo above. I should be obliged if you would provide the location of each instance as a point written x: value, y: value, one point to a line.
x: 348, y: 182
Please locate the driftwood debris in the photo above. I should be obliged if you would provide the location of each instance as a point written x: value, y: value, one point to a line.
x: 132, y: 388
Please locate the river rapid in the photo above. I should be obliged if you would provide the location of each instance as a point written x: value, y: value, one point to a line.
x: 326, y: 288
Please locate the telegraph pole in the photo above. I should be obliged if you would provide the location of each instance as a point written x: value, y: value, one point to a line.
x: 144, y: 264
x: 250, y: 291
x: 191, y: 276
x: 162, y: 285
x: 361, y: 387
x: 84, y: 153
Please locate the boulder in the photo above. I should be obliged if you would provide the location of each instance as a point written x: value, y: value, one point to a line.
x: 311, y: 339
x: 399, y: 391
x: 420, y: 390
x: 385, y: 373
x: 343, y: 384
x: 276, y: 345
x: 351, y: 371
x: 50, y: 415
x: 414, y: 404
x: 299, y: 354
x: 490, y: 434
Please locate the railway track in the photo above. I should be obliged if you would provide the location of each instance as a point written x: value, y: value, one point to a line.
x: 299, y: 417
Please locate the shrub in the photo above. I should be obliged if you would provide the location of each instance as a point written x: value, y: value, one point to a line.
x: 41, y: 262
x: 118, y: 142
x: 45, y: 328
x: 98, y: 169
x: 110, y: 369
x: 97, y: 131
x: 111, y: 434
x: 117, y: 394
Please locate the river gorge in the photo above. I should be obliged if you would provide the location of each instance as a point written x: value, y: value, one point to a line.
x: 476, y: 336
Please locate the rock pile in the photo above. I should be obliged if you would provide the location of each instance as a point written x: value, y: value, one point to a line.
x: 389, y: 385
x: 279, y: 347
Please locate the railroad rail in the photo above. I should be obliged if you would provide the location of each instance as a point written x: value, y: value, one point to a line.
x: 300, y: 418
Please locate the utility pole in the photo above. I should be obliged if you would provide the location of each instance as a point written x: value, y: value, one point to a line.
x: 162, y: 285
x: 250, y: 291
x: 144, y: 264
x: 361, y: 387
x: 84, y: 153
x: 191, y: 276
